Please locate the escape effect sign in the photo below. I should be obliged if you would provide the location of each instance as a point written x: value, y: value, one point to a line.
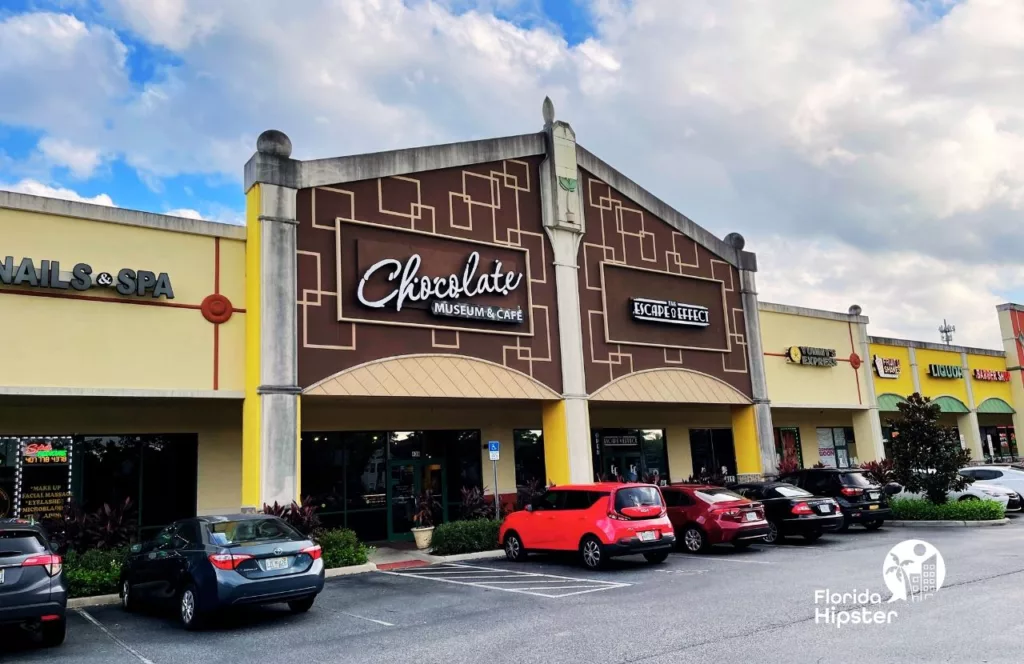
x: 667, y: 311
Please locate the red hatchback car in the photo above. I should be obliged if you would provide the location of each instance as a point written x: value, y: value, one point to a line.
x: 706, y: 515
x: 598, y: 521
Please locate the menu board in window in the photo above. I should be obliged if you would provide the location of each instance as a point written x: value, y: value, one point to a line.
x: 44, y: 481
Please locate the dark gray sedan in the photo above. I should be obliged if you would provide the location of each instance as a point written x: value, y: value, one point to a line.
x: 211, y: 563
x: 33, y: 591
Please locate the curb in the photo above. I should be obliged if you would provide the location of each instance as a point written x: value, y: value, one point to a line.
x: 352, y: 569
x: 96, y: 600
x: 458, y: 557
x: 946, y: 524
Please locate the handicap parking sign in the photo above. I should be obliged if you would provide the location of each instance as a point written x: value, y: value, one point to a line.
x: 493, y: 447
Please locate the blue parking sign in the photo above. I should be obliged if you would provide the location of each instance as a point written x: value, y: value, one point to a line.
x: 492, y: 449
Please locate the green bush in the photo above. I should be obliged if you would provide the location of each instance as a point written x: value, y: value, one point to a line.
x: 465, y: 537
x: 95, y: 572
x: 341, y: 548
x: 920, y: 509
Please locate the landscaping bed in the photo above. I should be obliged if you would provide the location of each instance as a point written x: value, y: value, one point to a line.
x: 920, y: 509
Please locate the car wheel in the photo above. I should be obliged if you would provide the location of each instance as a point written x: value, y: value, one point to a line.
x: 592, y: 552
x: 774, y: 534
x: 128, y: 600
x: 514, y: 550
x: 694, y: 540
x: 966, y: 498
x: 189, y: 614
x: 54, y: 632
x: 873, y: 525
x: 812, y: 537
x: 656, y: 557
x: 302, y: 605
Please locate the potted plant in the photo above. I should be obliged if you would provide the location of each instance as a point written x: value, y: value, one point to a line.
x: 423, y: 531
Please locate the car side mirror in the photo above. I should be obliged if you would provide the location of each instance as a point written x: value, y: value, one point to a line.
x: 529, y: 508
x: 136, y: 548
x: 892, y: 488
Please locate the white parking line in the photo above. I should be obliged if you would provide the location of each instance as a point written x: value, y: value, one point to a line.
x: 379, y: 622
x: 85, y: 614
x: 723, y: 559
x: 551, y: 586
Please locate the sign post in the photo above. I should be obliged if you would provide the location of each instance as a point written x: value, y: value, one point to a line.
x: 493, y: 450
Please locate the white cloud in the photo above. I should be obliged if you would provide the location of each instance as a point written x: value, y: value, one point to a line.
x: 187, y: 213
x: 871, y: 130
x: 36, y: 188
x: 81, y: 161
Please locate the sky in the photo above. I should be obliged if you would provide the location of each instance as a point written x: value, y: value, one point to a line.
x: 870, y: 152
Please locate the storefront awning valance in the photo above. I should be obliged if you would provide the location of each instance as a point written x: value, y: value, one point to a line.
x: 889, y: 403
x: 950, y: 405
x: 670, y: 386
x: 997, y: 406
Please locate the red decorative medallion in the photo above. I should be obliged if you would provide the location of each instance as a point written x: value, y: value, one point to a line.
x: 855, y: 360
x: 216, y: 308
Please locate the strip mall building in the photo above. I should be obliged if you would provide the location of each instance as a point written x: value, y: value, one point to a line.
x: 382, y: 320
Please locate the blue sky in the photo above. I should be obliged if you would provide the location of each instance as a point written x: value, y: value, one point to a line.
x: 879, y: 142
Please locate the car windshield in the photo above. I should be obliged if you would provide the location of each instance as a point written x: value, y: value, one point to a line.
x: 717, y: 495
x: 791, y: 491
x: 856, y: 480
x: 640, y: 496
x: 20, y: 543
x: 249, y: 531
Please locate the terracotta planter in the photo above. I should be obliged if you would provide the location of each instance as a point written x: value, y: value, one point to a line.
x: 423, y: 536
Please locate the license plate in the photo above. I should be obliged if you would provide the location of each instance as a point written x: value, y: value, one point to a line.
x: 751, y: 516
x: 647, y: 535
x: 873, y: 495
x: 872, y: 507
x: 825, y: 509
x: 275, y: 563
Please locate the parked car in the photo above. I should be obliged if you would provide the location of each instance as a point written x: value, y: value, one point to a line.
x: 599, y: 521
x: 860, y: 500
x: 1008, y: 476
x: 706, y: 515
x: 211, y: 563
x: 33, y: 591
x: 1009, y: 499
x: 791, y: 510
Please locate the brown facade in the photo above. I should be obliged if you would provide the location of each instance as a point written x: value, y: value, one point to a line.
x: 628, y: 253
x: 477, y: 225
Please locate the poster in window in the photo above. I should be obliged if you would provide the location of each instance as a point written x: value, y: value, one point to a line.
x: 826, y: 448
x: 45, y: 485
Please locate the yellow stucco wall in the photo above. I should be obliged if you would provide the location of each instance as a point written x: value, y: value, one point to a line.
x: 904, y: 385
x: 986, y: 389
x: 938, y: 387
x: 217, y: 422
x: 73, y: 340
x: 794, y: 384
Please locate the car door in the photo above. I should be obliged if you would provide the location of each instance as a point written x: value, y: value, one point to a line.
x: 171, y: 568
x: 541, y: 523
x: 143, y: 573
x: 574, y: 519
x: 681, y: 508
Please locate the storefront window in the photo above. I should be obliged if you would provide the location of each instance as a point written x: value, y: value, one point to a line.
x: 8, y: 461
x: 787, y: 446
x: 836, y: 447
x: 999, y: 444
x: 630, y: 455
x: 529, y: 456
x: 712, y: 453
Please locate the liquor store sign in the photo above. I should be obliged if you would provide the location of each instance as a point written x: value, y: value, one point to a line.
x: 47, y: 274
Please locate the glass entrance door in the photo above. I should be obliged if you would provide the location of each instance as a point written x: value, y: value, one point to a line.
x: 408, y: 482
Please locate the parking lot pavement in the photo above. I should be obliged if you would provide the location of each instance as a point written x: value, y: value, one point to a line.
x: 728, y: 605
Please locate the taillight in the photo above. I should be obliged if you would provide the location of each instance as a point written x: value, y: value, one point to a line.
x: 314, y: 551
x: 728, y: 514
x: 228, y: 560
x: 49, y: 562
x: 850, y: 491
x: 612, y: 514
x: 802, y: 508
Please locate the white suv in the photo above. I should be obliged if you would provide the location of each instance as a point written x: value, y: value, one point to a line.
x: 1004, y: 477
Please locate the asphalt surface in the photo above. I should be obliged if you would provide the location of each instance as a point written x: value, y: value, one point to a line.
x: 726, y: 606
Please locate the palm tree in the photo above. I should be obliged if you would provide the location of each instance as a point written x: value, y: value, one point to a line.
x: 901, y: 574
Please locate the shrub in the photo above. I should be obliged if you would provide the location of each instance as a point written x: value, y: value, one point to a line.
x: 788, y: 465
x: 474, y: 506
x: 465, y: 537
x: 879, y: 472
x: 302, y: 518
x: 109, y: 527
x: 341, y: 548
x: 95, y: 572
x: 920, y: 509
x: 926, y: 456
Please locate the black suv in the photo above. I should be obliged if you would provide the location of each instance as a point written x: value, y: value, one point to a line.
x: 860, y: 500
x: 33, y: 591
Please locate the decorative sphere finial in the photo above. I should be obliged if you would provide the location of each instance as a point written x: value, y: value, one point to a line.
x: 548, y: 110
x: 736, y: 241
x: 274, y: 142
x: 855, y: 310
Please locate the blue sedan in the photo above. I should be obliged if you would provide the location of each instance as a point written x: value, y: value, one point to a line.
x: 211, y: 563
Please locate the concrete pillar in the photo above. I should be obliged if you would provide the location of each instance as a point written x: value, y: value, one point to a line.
x: 869, y: 447
x: 1011, y: 328
x: 762, y: 410
x: 972, y: 432
x: 567, y: 422
x: 271, y: 428
x: 867, y: 428
x: 916, y: 377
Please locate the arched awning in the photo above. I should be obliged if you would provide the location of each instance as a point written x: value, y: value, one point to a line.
x: 670, y: 386
x: 444, y: 376
x: 997, y: 406
x: 950, y: 405
x: 889, y: 403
